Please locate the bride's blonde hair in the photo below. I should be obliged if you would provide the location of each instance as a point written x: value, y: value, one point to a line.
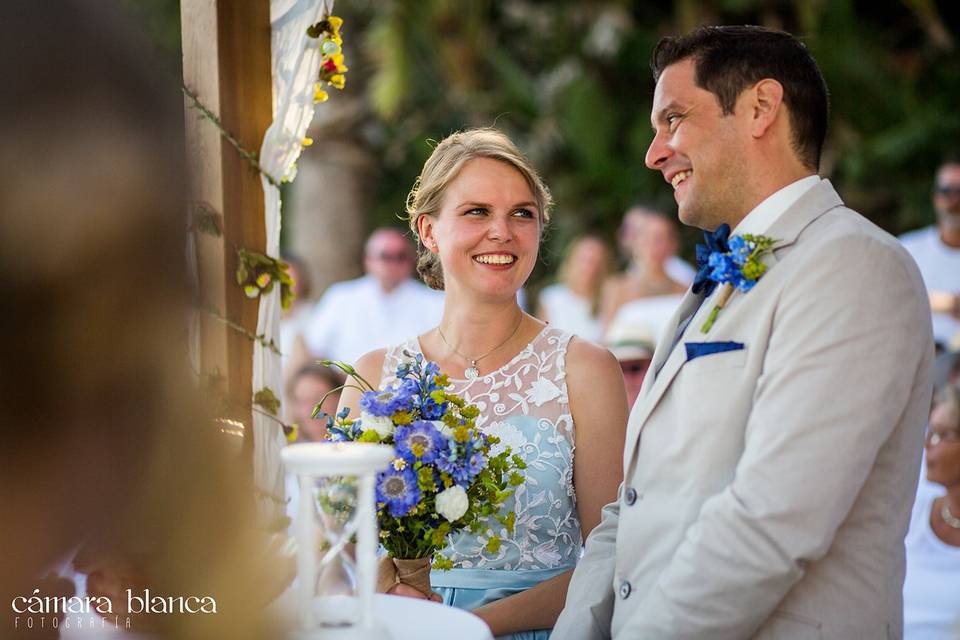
x: 440, y: 169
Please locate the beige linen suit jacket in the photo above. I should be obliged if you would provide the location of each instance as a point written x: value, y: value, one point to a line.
x: 767, y: 490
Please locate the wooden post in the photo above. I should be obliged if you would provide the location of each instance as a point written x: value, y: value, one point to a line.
x: 226, y: 63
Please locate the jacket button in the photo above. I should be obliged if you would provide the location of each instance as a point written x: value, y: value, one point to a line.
x: 630, y: 496
x: 625, y: 589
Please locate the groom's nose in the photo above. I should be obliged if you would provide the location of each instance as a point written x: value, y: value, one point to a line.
x: 658, y: 152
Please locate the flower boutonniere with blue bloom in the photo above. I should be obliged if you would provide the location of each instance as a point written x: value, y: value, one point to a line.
x: 733, y: 263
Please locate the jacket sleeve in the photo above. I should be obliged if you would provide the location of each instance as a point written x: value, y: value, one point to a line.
x: 589, y: 606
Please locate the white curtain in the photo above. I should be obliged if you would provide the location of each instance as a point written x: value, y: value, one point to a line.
x: 296, y: 66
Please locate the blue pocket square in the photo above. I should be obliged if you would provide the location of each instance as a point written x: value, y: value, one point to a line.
x: 697, y: 349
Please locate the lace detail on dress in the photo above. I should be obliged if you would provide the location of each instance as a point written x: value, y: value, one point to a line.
x: 525, y: 404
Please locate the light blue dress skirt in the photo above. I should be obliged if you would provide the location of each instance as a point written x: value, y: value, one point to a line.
x: 472, y: 588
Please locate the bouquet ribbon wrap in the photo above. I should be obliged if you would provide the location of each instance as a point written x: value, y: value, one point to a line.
x: 415, y: 573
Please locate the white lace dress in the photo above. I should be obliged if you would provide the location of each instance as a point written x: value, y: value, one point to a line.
x: 525, y: 404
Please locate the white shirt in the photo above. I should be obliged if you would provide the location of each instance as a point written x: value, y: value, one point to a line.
x: 931, y: 591
x: 762, y: 217
x: 357, y: 316
x: 568, y: 311
x: 940, y: 267
x: 679, y: 270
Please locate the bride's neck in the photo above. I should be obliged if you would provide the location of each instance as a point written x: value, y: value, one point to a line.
x: 474, y: 327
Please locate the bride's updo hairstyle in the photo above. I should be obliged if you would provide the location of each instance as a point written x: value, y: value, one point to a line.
x: 443, y: 166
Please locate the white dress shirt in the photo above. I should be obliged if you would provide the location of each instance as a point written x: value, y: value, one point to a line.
x: 357, y: 316
x: 775, y: 205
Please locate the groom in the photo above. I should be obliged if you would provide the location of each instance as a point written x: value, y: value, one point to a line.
x: 771, y: 461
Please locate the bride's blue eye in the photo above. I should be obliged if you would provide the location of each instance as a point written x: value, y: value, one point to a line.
x: 525, y: 213
x: 477, y: 211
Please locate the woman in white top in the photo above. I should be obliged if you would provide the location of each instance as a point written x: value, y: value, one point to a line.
x: 931, y: 591
x: 479, y: 211
x: 573, y: 303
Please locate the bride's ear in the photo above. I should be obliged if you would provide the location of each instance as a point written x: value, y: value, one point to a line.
x: 425, y: 229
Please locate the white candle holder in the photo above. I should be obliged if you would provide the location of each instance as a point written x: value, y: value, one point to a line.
x: 337, y: 501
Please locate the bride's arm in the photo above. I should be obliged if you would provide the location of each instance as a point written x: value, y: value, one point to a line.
x: 598, y: 402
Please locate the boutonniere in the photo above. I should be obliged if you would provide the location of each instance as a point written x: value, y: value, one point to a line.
x: 732, y: 263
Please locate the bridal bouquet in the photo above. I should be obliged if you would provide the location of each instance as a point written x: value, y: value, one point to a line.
x: 443, y: 479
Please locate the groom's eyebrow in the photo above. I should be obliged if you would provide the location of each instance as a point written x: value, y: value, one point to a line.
x: 661, y: 116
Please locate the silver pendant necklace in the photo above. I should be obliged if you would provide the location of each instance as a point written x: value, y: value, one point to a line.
x: 952, y: 521
x: 472, y: 372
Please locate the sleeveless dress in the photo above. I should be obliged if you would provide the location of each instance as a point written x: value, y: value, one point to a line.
x: 525, y: 404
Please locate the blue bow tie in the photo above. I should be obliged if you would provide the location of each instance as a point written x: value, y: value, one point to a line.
x: 716, y: 243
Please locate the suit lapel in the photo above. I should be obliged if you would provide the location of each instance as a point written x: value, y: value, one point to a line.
x: 814, y: 203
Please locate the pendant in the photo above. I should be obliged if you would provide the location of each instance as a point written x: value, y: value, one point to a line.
x: 471, y: 373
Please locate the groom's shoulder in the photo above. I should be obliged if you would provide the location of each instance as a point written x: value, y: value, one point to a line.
x: 849, y: 236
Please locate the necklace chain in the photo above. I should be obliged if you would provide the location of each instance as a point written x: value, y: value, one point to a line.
x: 952, y: 521
x: 472, y: 372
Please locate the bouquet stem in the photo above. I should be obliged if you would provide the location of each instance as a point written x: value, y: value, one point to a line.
x: 414, y: 572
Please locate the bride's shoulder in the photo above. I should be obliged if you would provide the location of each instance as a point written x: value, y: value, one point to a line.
x: 591, y: 362
x: 370, y: 365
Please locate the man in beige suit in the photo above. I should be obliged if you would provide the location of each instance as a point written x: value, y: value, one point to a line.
x: 771, y: 460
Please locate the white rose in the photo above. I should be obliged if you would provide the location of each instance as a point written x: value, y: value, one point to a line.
x: 383, y: 425
x: 452, y: 503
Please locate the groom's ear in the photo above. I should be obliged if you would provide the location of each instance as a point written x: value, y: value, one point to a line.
x: 766, y: 103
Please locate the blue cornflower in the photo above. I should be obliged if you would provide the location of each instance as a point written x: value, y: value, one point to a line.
x: 431, y: 410
x: 386, y: 402
x: 722, y: 267
x: 347, y: 433
x: 419, y: 441
x: 739, y: 250
x: 398, y: 490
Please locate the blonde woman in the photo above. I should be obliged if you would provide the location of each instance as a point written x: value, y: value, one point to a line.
x: 479, y: 210
x: 573, y: 303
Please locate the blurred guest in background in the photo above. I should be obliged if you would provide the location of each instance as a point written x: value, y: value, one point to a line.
x: 630, y: 228
x: 381, y: 308
x: 632, y: 343
x: 306, y: 390
x: 105, y: 446
x: 931, y: 597
x: 937, y: 251
x: 653, y: 244
x: 293, y: 321
x: 573, y: 303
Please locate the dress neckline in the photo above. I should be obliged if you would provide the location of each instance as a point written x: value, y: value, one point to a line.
x: 513, y: 360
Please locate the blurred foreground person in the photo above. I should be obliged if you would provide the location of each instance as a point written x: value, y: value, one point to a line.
x: 931, y: 599
x: 104, y: 448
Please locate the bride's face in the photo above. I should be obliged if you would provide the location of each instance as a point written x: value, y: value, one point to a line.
x: 487, y: 232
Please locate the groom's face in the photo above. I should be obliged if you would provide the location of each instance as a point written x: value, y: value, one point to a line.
x: 699, y: 150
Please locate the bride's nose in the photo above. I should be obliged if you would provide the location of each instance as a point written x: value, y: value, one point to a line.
x: 499, y: 228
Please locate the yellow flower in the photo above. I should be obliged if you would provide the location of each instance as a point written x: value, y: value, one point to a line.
x: 294, y: 430
x: 493, y: 544
x: 438, y: 396
x: 399, y: 464
x: 251, y: 291
x: 337, y: 59
x: 460, y: 434
x: 319, y: 95
x: 335, y: 22
x: 370, y: 435
x: 443, y: 380
x: 263, y: 280
x: 401, y: 418
x: 307, y: 141
x: 338, y: 80
x: 470, y: 411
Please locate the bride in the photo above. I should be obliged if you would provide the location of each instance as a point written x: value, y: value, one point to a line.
x: 479, y: 211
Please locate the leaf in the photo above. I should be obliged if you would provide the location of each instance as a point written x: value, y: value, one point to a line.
x: 267, y: 400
